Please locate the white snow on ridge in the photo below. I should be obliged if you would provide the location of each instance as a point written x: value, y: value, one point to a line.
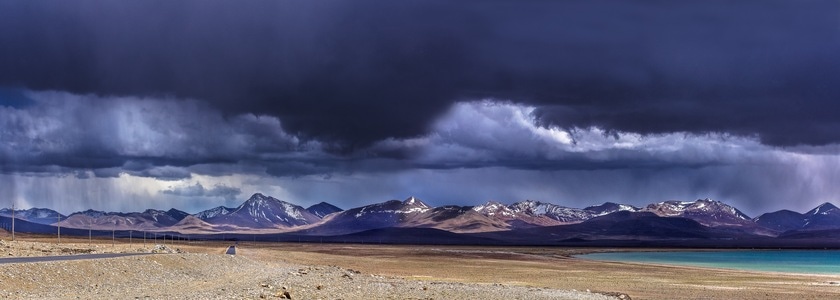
x: 493, y: 208
x: 266, y: 209
x: 708, y: 207
x: 824, y: 209
x: 361, y: 212
x: 292, y: 211
x: 213, y: 212
x: 412, y: 210
x: 409, y: 206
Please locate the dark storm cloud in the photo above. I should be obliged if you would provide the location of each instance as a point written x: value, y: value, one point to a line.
x: 162, y: 138
x: 488, y: 133
x: 361, y: 71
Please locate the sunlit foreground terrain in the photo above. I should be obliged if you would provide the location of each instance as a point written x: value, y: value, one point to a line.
x: 354, y: 271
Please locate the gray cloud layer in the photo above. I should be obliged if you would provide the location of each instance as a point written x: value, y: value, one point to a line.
x: 170, y: 139
x: 198, y: 190
x: 574, y: 102
x: 354, y: 74
x: 474, y: 152
x: 60, y: 132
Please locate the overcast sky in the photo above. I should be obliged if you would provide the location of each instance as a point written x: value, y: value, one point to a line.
x: 194, y: 104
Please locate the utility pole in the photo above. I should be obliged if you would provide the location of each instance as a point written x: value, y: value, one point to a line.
x: 144, y: 239
x: 113, y: 234
x: 13, y: 221
x: 129, y: 237
x: 90, y: 234
x: 59, y: 228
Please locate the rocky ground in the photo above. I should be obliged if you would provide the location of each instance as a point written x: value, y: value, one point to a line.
x: 200, y: 270
x: 219, y: 276
x: 555, y: 268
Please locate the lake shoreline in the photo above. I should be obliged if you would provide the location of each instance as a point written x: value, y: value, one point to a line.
x: 790, y: 262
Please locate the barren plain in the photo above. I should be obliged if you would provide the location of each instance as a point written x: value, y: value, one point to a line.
x: 354, y: 271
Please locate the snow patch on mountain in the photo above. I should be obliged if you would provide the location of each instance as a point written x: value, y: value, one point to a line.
x: 706, y: 211
x: 213, y: 212
x: 553, y: 211
x: 822, y: 209
x: 493, y: 208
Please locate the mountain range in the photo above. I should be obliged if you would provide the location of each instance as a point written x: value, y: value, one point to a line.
x: 37, y: 215
x: 524, y: 222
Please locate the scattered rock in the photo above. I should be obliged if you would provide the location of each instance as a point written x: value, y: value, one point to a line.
x: 229, y: 278
x: 617, y: 295
x: 165, y: 249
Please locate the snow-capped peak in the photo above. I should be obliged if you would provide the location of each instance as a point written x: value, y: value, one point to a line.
x: 261, y: 211
x: 216, y: 211
x: 258, y: 197
x: 412, y: 201
x: 823, y: 209
x: 671, y: 208
x: 493, y: 208
x: 609, y: 207
x: 154, y: 212
x: 553, y: 211
x: 407, y: 206
x: 91, y: 213
x: 706, y: 211
x: 262, y: 207
x: 528, y: 206
x: 33, y: 214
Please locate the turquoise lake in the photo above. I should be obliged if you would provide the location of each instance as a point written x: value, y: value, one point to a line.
x: 789, y: 261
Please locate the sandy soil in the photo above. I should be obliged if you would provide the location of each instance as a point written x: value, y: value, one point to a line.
x: 350, y: 271
x: 206, y: 273
x: 552, y: 268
